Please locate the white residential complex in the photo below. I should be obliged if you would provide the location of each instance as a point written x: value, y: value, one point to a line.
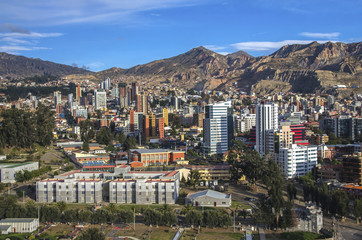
x: 266, y: 124
x: 94, y: 187
x: 144, y: 191
x: 216, y: 128
x: 297, y: 160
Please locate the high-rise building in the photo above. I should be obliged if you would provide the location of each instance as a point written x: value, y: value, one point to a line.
x: 135, y: 91
x: 342, y: 126
x: 146, y: 127
x: 160, y: 127
x: 100, y: 99
x: 106, y: 84
x: 352, y: 168
x: 70, y: 99
x: 176, y: 102
x: 216, y: 127
x: 141, y: 103
x: 135, y: 120
x: 297, y: 160
x: 165, y: 115
x: 266, y: 123
x: 57, y: 98
x: 199, y: 119
x: 78, y: 93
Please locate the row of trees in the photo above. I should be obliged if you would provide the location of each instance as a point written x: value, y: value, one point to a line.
x: 26, y: 175
x: 165, y: 216
x: 9, y: 208
x: 22, y: 129
x: 210, y: 218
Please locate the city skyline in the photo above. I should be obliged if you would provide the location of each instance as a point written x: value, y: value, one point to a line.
x: 105, y: 34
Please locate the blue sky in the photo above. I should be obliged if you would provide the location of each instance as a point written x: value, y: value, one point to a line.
x: 101, y: 34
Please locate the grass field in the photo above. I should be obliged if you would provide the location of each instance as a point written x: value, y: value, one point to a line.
x: 292, y: 236
x: 213, y: 233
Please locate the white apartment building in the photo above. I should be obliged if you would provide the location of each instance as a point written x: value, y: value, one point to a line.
x: 69, y: 190
x: 100, y: 99
x: 94, y: 187
x: 144, y: 191
x: 297, y: 160
x: 266, y: 123
x: 216, y: 128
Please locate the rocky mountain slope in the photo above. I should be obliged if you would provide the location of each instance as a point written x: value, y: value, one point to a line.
x: 300, y: 68
x: 19, y: 66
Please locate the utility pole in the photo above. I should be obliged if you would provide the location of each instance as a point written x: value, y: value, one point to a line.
x: 234, y: 220
x: 134, y: 219
x: 23, y: 196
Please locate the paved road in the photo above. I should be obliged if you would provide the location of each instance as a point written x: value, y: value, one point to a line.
x: 262, y: 234
x: 348, y: 230
x: 351, y: 232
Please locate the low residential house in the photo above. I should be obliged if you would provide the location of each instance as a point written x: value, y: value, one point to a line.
x: 19, y: 225
x: 209, y: 198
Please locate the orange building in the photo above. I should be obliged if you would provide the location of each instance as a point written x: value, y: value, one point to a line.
x: 78, y: 93
x: 131, y: 120
x: 155, y: 156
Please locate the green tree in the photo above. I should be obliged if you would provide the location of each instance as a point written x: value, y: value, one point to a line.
x: 126, y: 216
x: 247, y: 162
x: 152, y: 217
x: 339, y: 203
x: 104, y: 136
x: 62, y: 206
x: 194, y: 178
x: 194, y: 218
x: 91, y: 234
x: 86, y: 146
x: 44, y: 121
x: 274, y: 180
x: 292, y: 191
x: 130, y: 143
x: 357, y: 209
x: 70, y: 215
x: 121, y: 138
x: 84, y: 216
x: 86, y: 130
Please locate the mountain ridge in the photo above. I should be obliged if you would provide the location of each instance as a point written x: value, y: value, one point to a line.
x: 313, y: 67
x: 297, y: 67
x: 21, y: 66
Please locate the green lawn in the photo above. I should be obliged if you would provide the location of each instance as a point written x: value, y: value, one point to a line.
x: 299, y: 235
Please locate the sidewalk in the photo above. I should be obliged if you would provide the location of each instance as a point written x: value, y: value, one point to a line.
x: 262, y: 234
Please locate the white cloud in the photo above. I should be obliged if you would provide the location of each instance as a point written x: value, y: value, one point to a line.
x: 96, y: 66
x: 332, y: 35
x: 17, y: 39
x: 29, y: 35
x: 224, y: 53
x: 47, y: 12
x: 264, y: 46
x: 214, y: 47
